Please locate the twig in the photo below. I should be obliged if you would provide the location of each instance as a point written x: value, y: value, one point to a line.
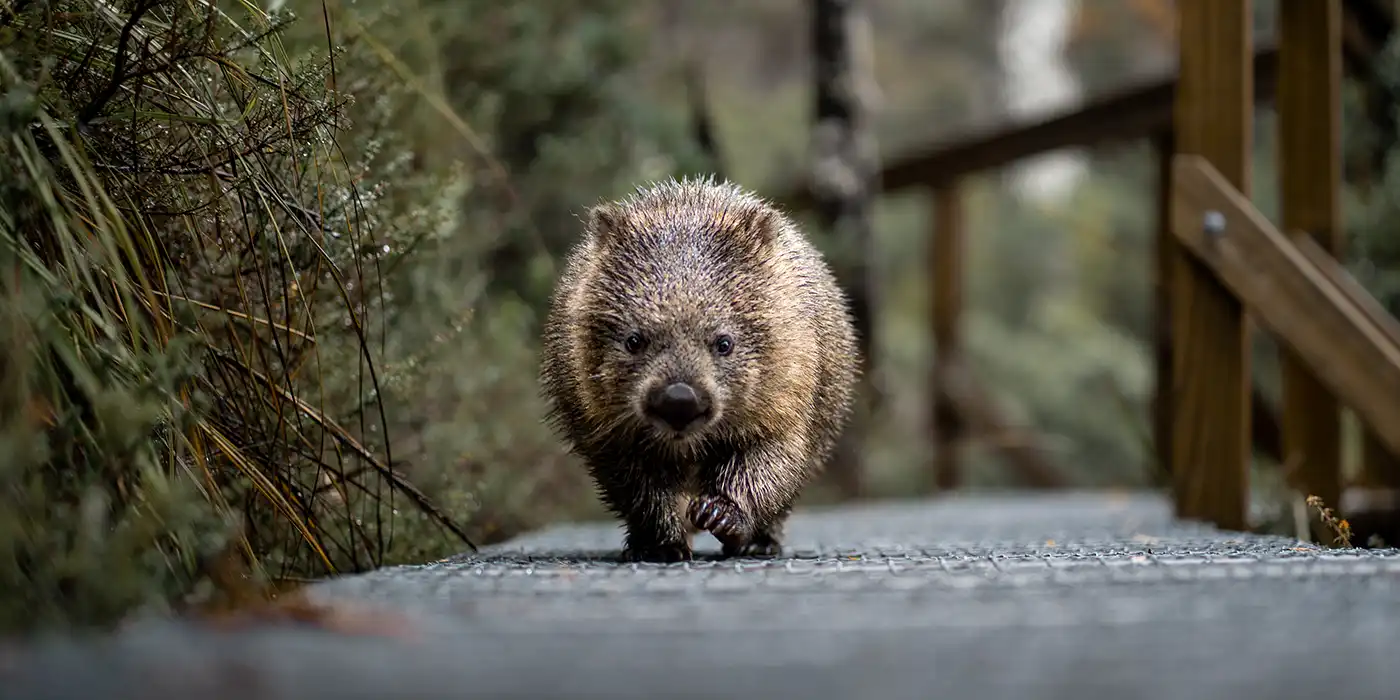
x: 1339, y: 526
x: 119, y: 68
x: 346, y: 440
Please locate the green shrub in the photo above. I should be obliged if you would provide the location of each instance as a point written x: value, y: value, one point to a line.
x: 192, y: 266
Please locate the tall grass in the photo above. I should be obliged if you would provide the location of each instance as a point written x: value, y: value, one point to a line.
x: 192, y: 268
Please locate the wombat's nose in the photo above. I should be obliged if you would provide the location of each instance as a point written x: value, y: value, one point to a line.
x: 678, y: 404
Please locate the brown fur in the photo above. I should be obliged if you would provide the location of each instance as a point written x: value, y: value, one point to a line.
x: 681, y: 263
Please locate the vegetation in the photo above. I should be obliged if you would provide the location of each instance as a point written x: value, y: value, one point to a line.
x: 1375, y: 254
x: 236, y: 281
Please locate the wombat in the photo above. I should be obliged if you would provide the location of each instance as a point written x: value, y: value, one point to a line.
x: 700, y: 358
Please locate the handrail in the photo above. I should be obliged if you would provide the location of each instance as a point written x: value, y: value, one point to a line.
x: 1306, y: 298
x: 1123, y: 115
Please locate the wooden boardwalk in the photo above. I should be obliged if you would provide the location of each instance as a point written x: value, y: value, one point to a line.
x: 1036, y: 596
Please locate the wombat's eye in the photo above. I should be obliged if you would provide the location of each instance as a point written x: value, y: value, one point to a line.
x: 724, y: 345
x: 634, y: 343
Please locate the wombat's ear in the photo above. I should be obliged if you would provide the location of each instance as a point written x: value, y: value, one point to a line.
x: 606, y: 221
x: 762, y: 224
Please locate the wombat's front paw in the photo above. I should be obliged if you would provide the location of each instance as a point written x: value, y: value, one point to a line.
x: 665, y: 553
x: 762, y: 545
x: 723, y: 518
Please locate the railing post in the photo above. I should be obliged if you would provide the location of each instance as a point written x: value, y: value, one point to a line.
x: 946, y: 253
x: 1214, y: 112
x: 1163, y: 146
x: 1310, y: 176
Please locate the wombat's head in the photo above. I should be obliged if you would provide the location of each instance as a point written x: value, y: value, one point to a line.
x: 678, y: 311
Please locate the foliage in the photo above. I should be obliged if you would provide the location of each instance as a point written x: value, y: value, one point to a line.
x: 1375, y: 254
x: 192, y: 259
x: 558, y: 107
x: 1058, y: 321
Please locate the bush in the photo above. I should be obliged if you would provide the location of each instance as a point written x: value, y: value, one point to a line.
x: 267, y: 301
x: 193, y: 263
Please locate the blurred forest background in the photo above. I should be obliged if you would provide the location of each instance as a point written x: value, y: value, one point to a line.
x: 274, y: 273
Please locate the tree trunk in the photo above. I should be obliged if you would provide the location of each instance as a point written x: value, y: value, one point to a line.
x: 844, y: 185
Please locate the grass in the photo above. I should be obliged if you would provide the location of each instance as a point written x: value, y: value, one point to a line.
x: 192, y: 274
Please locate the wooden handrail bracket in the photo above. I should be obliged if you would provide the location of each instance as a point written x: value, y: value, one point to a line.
x: 1303, y: 295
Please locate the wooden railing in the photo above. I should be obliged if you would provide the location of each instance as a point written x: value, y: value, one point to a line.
x: 1207, y: 414
x: 1340, y: 347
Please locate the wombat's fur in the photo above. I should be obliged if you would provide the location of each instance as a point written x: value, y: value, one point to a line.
x: 700, y: 358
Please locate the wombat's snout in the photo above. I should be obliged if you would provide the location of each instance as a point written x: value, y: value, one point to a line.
x: 677, y: 404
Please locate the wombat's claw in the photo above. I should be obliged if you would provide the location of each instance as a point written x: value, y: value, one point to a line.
x: 761, y: 549
x: 665, y: 553
x: 721, y: 517
x: 762, y: 545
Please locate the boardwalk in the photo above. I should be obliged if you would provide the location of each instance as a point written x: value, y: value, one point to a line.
x: 1054, y: 596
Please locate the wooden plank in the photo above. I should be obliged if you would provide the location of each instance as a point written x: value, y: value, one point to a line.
x: 1309, y: 103
x: 1379, y: 468
x: 1121, y: 116
x: 1211, y: 352
x: 1264, y: 428
x: 1133, y: 113
x: 1294, y: 294
x: 1368, y: 306
x: 1124, y: 115
x: 1163, y: 261
x: 946, y: 251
